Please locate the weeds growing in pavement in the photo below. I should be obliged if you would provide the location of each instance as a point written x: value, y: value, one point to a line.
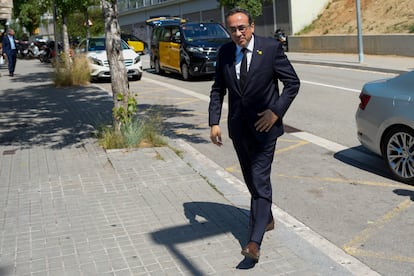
x: 71, y: 71
x: 145, y: 132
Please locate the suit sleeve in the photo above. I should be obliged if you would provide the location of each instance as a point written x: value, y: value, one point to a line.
x: 284, y: 71
x: 218, y: 91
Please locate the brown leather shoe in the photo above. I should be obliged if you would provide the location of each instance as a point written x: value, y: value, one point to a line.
x: 251, y: 250
x: 270, y: 226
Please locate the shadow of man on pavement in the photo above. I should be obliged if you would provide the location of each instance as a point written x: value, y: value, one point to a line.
x: 206, y: 219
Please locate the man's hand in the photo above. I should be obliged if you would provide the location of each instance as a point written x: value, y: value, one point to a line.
x: 266, y: 121
x: 215, y: 135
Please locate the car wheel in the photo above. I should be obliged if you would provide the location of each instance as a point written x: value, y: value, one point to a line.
x: 398, y: 151
x: 185, y: 72
x: 138, y: 77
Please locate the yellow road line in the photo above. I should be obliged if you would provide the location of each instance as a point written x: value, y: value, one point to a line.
x: 349, y: 181
x: 298, y: 144
x: 352, y: 246
x: 378, y: 255
x: 187, y: 102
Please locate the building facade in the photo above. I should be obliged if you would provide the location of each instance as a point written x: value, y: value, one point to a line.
x: 289, y: 15
x: 133, y: 13
x: 6, y: 7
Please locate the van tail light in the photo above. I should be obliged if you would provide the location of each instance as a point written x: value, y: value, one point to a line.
x: 364, y: 100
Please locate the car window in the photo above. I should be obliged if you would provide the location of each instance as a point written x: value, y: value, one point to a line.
x: 124, y: 45
x: 134, y: 38
x: 167, y: 35
x: 82, y: 46
x: 175, y: 32
x: 98, y: 44
x: 156, y: 34
x: 203, y: 31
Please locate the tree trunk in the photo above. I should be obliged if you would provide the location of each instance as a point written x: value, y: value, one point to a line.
x: 119, y: 77
x: 88, y: 27
x: 65, y: 34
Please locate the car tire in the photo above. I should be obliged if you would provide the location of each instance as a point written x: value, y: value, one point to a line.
x: 185, y: 71
x: 137, y: 78
x: 398, y: 152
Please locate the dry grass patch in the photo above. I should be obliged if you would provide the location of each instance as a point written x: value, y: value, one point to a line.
x: 71, y: 71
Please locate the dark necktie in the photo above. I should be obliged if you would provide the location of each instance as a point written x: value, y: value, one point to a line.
x: 243, y: 68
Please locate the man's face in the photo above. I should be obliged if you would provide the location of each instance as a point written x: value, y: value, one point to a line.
x: 240, y: 30
x: 11, y: 32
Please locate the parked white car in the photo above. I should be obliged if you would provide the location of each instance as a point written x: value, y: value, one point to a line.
x: 385, y: 123
x: 96, y: 52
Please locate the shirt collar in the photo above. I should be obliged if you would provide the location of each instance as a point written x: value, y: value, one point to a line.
x: 250, y: 45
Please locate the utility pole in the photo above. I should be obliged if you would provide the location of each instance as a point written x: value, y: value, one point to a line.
x: 360, y: 39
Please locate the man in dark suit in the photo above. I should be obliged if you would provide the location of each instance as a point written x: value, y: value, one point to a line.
x: 256, y: 109
x: 9, y: 48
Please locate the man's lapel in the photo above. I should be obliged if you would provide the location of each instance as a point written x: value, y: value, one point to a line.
x: 255, y: 61
x: 232, y: 69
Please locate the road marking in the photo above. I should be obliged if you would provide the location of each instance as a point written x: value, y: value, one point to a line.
x: 296, y: 144
x: 349, y: 181
x: 322, y: 142
x: 187, y: 102
x: 352, y: 247
x: 183, y: 90
x: 331, y: 86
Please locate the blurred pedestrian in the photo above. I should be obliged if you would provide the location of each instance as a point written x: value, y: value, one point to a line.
x: 10, y: 50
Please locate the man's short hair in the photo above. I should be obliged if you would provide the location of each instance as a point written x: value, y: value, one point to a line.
x: 240, y: 10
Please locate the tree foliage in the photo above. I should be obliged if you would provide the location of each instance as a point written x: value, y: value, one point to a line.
x: 75, y: 29
x: 253, y: 6
x: 28, y: 13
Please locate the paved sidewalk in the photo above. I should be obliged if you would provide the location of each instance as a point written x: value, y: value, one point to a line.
x: 71, y: 208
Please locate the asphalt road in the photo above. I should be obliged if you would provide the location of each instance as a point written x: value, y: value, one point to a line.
x: 321, y: 175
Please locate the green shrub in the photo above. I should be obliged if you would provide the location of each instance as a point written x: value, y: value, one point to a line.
x: 133, y: 134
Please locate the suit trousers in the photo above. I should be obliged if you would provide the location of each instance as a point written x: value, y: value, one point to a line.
x: 11, y: 59
x: 256, y: 162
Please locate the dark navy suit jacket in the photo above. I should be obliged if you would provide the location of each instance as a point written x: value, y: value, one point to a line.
x: 6, y: 44
x: 268, y: 65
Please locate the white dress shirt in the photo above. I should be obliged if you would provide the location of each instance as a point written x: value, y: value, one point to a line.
x: 239, y: 56
x: 12, y: 45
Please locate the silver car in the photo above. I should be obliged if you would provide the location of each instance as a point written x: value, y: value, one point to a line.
x: 385, y: 123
